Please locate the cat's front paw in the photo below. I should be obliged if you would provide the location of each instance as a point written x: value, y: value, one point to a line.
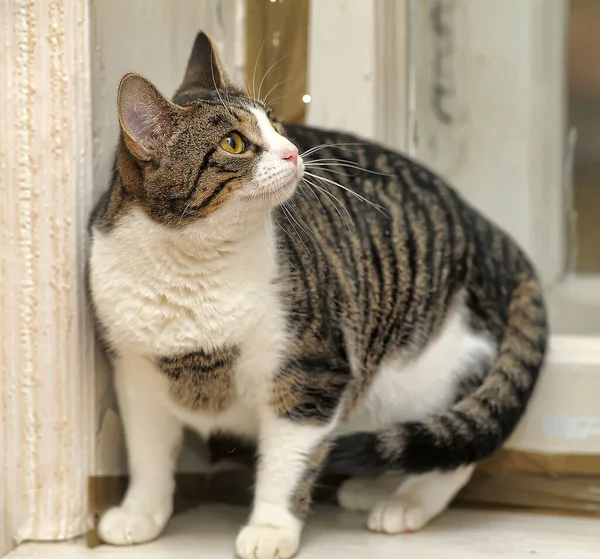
x: 129, y: 525
x: 267, y: 542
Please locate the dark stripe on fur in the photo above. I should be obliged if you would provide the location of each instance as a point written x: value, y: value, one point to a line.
x: 418, y: 447
x: 210, y: 198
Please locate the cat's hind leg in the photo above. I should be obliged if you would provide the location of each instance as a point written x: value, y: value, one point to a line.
x: 359, y: 494
x: 417, y: 501
x: 402, y: 504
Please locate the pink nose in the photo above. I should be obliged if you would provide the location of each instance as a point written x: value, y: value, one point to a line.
x: 290, y: 154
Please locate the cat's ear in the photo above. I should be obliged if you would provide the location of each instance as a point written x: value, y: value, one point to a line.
x: 204, y: 69
x: 146, y: 117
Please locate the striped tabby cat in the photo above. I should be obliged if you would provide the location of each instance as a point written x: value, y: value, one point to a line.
x: 346, y: 309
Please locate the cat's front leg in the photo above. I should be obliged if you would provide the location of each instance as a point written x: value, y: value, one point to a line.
x: 291, y: 456
x: 293, y: 444
x: 153, y: 437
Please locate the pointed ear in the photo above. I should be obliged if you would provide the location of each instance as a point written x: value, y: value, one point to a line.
x: 146, y: 117
x: 204, y: 70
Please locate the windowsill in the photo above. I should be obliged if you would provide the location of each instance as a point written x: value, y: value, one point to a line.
x: 574, y: 309
x: 458, y: 534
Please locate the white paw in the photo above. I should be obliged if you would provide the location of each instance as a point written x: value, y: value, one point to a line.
x: 267, y: 542
x: 396, y: 516
x: 362, y: 494
x: 126, y: 526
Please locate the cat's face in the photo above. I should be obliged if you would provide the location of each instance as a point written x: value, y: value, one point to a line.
x: 217, y: 148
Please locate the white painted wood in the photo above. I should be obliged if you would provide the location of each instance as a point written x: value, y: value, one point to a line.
x: 342, y: 66
x: 47, y: 383
x: 359, y: 68
x: 550, y: 177
x: 394, y: 89
x: 154, y: 39
x: 46, y: 360
x: 574, y: 307
x: 563, y: 416
x: 458, y: 534
x: 490, y: 112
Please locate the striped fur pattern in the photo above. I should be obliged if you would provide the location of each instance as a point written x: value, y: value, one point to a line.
x: 200, y: 380
x: 346, y: 310
x: 390, y: 281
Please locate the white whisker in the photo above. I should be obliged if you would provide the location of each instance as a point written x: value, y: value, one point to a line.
x: 349, y: 190
x: 291, y: 208
x: 273, y: 101
x: 255, y: 67
x: 327, y: 167
x: 281, y: 251
x: 266, y: 98
x: 212, y: 71
x: 271, y: 68
x: 183, y: 213
x: 332, y: 162
x: 248, y: 213
x: 342, y: 145
x: 290, y: 220
x: 333, y: 200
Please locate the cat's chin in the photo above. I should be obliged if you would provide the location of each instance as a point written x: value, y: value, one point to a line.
x: 284, y: 193
x: 276, y: 195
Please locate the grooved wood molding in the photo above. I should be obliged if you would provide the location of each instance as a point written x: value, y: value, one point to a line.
x: 46, y: 358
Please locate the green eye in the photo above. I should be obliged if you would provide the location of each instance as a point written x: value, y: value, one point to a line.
x: 233, y: 143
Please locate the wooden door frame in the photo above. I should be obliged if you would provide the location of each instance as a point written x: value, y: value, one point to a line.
x: 359, y: 68
x: 47, y: 375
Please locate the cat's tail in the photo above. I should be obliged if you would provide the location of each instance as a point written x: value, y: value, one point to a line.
x: 476, y: 426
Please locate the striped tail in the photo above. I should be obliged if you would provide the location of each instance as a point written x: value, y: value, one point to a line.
x: 476, y: 426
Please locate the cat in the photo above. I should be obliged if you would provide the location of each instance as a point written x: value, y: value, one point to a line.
x: 343, y: 307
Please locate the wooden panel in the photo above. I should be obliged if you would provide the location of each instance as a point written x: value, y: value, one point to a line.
x: 584, y: 116
x: 359, y: 68
x: 394, y: 84
x: 342, y: 66
x: 46, y: 361
x: 277, y: 54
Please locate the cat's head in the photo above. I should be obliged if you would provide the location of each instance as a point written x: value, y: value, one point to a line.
x: 212, y: 149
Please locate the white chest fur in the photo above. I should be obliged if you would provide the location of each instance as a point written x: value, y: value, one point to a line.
x: 161, y: 292
x: 165, y: 292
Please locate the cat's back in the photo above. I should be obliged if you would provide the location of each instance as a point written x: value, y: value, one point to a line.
x: 368, y: 166
x: 390, y: 242
x: 357, y: 191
